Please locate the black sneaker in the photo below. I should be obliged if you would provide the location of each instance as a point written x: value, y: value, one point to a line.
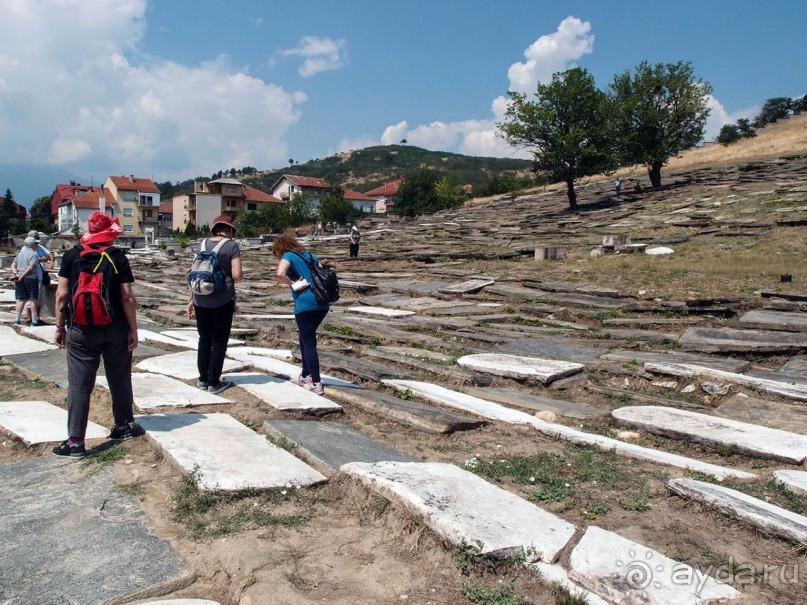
x: 126, y: 432
x: 72, y: 451
x: 221, y: 386
x: 39, y: 323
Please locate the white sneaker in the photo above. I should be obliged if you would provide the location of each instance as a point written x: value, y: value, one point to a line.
x: 315, y: 387
x: 304, y: 380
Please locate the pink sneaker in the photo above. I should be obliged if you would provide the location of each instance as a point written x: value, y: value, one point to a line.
x: 315, y: 387
x: 304, y: 380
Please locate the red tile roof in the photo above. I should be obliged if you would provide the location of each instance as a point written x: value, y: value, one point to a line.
x: 387, y: 189
x: 251, y: 194
x: 166, y: 207
x: 65, y: 192
x: 307, y: 181
x: 358, y: 196
x: 140, y: 185
x: 89, y: 199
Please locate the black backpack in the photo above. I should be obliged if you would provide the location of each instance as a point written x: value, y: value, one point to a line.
x: 324, y: 283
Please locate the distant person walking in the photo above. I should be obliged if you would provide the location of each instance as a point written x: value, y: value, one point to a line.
x: 46, y: 261
x: 293, y: 271
x: 25, y: 272
x: 87, y: 344
x: 355, y: 239
x: 214, y: 312
x: 618, y: 187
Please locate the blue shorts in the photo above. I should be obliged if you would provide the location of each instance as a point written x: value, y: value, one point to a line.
x: 26, y: 289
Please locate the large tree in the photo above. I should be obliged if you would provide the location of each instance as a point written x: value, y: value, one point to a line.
x: 416, y: 194
x: 660, y: 111
x: 774, y: 109
x: 40, y: 214
x: 566, y: 128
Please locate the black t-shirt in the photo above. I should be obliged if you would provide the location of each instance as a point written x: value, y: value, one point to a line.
x: 123, y: 276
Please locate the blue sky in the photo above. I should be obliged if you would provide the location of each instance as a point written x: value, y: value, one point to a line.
x: 173, y: 89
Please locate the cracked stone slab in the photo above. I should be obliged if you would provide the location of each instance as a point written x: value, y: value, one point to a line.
x: 766, y: 517
x: 40, y: 422
x: 282, y: 394
x: 494, y: 411
x: 795, y: 481
x: 72, y: 537
x: 381, y: 311
x: 155, y: 391
x: 12, y: 343
x: 183, y: 365
x: 464, y: 508
x: 545, y: 371
x: 227, y: 455
x: 749, y: 439
x: 626, y: 572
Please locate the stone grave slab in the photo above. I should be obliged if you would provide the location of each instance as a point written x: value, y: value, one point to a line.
x: 282, y: 394
x: 780, y: 376
x: 182, y: 365
x: 719, y: 363
x: 536, y: 403
x: 773, y: 414
x: 384, y: 312
x: 729, y: 340
x: 555, y: 575
x: 422, y: 354
x: 40, y: 422
x: 278, y: 367
x: 247, y: 353
x: 775, y: 320
x: 361, y: 368
x: 43, y: 333
x: 748, y: 439
x: 192, y: 337
x: 766, y: 517
x: 494, y: 411
x: 469, y: 286
x: 145, y: 335
x: 68, y: 536
x: 796, y: 366
x: 12, y: 343
x: 179, y: 602
x: 795, y: 481
x: 544, y: 371
x: 49, y: 365
x: 156, y: 391
x: 552, y: 348
x: 328, y: 445
x: 233, y: 457
x: 624, y: 571
x: 464, y: 508
x: 266, y: 317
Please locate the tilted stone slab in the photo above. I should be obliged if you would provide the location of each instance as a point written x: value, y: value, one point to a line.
x: 329, y: 445
x: 766, y: 517
x: 774, y: 414
x: 728, y: 340
x: 248, y: 353
x: 183, y: 365
x: 465, y: 509
x: 775, y: 320
x: 514, y: 366
x: 155, y: 391
x: 12, y: 343
x: 282, y: 394
x: 553, y: 348
x: 719, y: 363
x: 228, y: 455
x: 494, y: 411
x: 626, y: 572
x: 749, y: 439
x: 191, y: 336
x: 467, y: 287
x: 40, y: 422
x: 792, y: 391
x: 72, y: 537
x: 381, y: 311
x: 795, y: 481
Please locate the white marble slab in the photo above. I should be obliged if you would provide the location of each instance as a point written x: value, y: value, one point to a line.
x: 228, y: 455
x: 41, y: 422
x: 44, y: 333
x: 278, y: 367
x: 156, y: 391
x: 381, y: 311
x: 467, y: 287
x: 464, y: 508
x: 12, y: 343
x: 795, y: 481
x: 624, y: 571
x: 555, y: 575
x: 282, y: 394
x: 269, y: 316
x: 523, y: 368
x: 183, y: 365
x: 749, y: 439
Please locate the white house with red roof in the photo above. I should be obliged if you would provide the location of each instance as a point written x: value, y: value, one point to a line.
x: 385, y: 195
x: 64, y: 192
x: 139, y: 202
x: 289, y: 185
x: 361, y: 202
x: 79, y: 209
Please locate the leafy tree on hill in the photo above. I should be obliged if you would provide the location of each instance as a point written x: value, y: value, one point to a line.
x: 416, y: 194
x: 660, y: 110
x: 334, y: 208
x: 449, y: 192
x: 746, y: 130
x: 6, y: 213
x: 774, y: 109
x: 40, y: 214
x: 567, y: 128
x: 729, y: 133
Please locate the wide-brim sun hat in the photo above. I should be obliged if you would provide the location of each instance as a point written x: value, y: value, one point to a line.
x: 30, y: 240
x: 101, y: 228
x: 223, y: 220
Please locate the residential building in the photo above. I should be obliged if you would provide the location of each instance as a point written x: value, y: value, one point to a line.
x: 385, y: 195
x: 64, y: 192
x: 361, y: 202
x: 211, y: 199
x: 139, y: 203
x: 79, y: 209
x: 312, y: 188
x: 166, y: 218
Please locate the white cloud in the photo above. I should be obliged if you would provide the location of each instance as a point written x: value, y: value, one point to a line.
x: 719, y: 116
x: 320, y: 54
x: 84, y: 97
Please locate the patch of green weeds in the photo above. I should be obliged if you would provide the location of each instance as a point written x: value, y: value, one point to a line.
x: 104, y: 457
x: 501, y: 595
x: 343, y: 330
x: 466, y: 556
x: 564, y: 597
x: 406, y: 395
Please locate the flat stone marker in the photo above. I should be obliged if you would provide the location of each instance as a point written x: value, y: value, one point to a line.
x: 728, y: 340
x: 228, y: 455
x: 773, y: 414
x: 467, y: 287
x: 545, y: 371
x: 278, y: 367
x: 795, y: 481
x: 623, y: 571
x: 464, y: 508
x: 767, y: 518
x: 267, y: 317
x: 71, y: 537
x: 282, y: 394
x: 183, y: 365
x: 44, y: 333
x: 551, y: 348
x: 180, y: 602
x: 796, y: 366
x: 155, y: 391
x: 775, y: 320
x: 329, y: 445
x: 488, y: 409
x: 191, y: 336
x: 381, y: 311
x: 40, y: 422
x: 748, y: 439
x: 12, y: 343
x: 50, y: 365
x: 719, y: 363
x: 247, y: 353
x: 150, y: 335
x: 536, y: 403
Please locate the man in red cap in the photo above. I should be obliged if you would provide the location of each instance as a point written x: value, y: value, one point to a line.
x: 86, y: 344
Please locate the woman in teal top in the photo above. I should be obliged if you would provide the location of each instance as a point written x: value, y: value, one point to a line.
x: 293, y: 271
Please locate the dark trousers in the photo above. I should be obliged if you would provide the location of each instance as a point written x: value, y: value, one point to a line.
x: 354, y: 250
x: 214, y: 327
x: 85, y: 348
x: 307, y: 324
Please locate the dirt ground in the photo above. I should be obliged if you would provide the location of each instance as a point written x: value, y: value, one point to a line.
x: 339, y: 543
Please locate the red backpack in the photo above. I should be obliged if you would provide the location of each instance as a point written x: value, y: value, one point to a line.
x: 90, y: 303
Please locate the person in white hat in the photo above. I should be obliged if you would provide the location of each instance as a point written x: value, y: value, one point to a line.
x: 46, y: 261
x: 25, y: 273
x: 355, y: 238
